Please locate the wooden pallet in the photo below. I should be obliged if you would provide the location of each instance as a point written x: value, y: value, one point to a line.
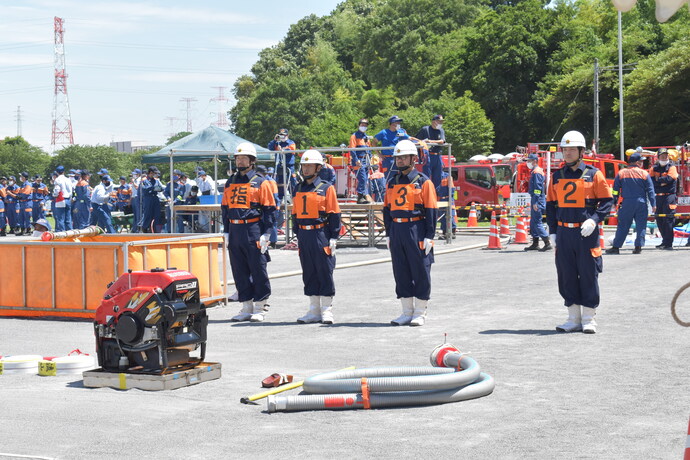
x: 125, y: 381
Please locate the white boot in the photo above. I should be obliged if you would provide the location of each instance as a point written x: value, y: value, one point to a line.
x: 258, y: 312
x: 326, y: 310
x: 419, y: 315
x: 245, y: 314
x: 589, y: 326
x: 407, y: 312
x: 574, y: 320
x: 314, y: 313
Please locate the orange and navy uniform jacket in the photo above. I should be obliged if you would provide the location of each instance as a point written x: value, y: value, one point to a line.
x: 327, y: 173
x: 537, y: 187
x: 664, y: 178
x: 443, y: 191
x: 359, y: 140
x: 634, y: 184
x: 39, y: 194
x: 3, y: 195
x: 575, y: 196
x: 248, y: 197
x: 411, y: 196
x: 316, y: 204
x: 24, y: 193
x: 123, y: 194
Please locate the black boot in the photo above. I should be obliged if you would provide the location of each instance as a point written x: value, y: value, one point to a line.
x: 2, y: 232
x: 361, y: 199
x: 612, y: 250
x: 534, y: 246
x: 547, y: 244
x: 637, y: 250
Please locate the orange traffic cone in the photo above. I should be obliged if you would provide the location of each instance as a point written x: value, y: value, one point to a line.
x: 602, y: 243
x: 613, y: 217
x: 494, y: 240
x: 472, y: 219
x: 520, y: 233
x: 505, y: 225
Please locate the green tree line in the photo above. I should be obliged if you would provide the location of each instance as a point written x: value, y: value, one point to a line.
x: 501, y: 72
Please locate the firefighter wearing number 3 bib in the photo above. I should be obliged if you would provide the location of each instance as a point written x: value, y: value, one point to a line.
x: 248, y: 208
x: 409, y: 215
x: 316, y: 221
x: 578, y: 199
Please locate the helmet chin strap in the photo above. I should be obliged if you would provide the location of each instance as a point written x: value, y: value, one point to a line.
x: 309, y: 177
x: 244, y: 170
x: 406, y: 169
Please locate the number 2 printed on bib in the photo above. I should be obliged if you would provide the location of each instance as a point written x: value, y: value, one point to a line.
x: 571, y: 193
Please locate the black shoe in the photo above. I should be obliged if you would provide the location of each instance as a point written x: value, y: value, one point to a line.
x: 361, y: 199
x: 547, y: 245
x: 534, y: 246
x: 660, y: 246
x: 2, y: 233
x: 637, y: 250
x: 688, y: 243
x: 667, y: 248
x: 613, y: 250
x: 272, y: 245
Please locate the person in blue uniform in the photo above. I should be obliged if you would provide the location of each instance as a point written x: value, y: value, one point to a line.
x: 360, y: 160
x: 389, y: 137
x: 537, y: 193
x: 633, y: 185
x: 446, y: 191
x: 665, y: 179
x: 377, y: 184
x: 3, y: 197
x: 38, y: 197
x: 136, y: 200
x: 282, y: 142
x: 248, y: 210
x: 267, y: 174
x: 175, y: 191
x: 409, y: 216
x: 316, y: 220
x: 578, y: 198
x: 326, y: 173
x: 151, y: 206
x: 24, y: 194
x: 99, y: 203
x: 11, y: 205
x: 433, y: 134
x: 82, y: 205
x: 123, y: 195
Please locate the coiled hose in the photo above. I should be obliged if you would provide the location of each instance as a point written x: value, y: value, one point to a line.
x: 454, y: 377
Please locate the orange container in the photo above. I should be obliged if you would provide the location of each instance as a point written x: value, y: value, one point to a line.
x: 67, y: 278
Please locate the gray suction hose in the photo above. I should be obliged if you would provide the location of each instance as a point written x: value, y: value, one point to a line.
x: 454, y: 377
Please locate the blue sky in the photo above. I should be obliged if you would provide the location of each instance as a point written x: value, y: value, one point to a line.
x: 130, y: 63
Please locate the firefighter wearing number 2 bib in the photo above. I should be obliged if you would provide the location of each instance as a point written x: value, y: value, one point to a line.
x: 248, y: 208
x: 409, y: 215
x: 316, y: 221
x: 578, y: 199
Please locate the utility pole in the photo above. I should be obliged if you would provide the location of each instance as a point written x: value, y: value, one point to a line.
x: 189, y: 101
x: 596, y: 104
x: 222, y: 121
x: 597, y: 72
x: 19, y: 120
x: 620, y: 83
x: 62, y: 120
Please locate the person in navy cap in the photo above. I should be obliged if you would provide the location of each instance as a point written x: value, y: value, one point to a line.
x: 11, y: 205
x: 123, y: 195
x: 150, y: 187
x: 537, y: 193
x: 282, y: 143
x: 389, y: 137
x: 39, y: 196
x: 24, y: 194
x: 100, y: 214
x: 3, y: 197
x: 82, y: 204
x: 634, y: 186
x: 62, y: 194
x: 136, y: 200
x: 433, y: 134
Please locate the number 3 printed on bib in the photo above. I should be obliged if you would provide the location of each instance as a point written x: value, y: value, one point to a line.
x: 402, y: 197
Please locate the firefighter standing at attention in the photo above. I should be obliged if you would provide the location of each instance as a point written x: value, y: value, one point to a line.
x: 316, y: 221
x: 409, y: 215
x: 537, y: 193
x: 578, y: 199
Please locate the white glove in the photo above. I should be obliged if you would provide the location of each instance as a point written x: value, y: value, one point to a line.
x: 331, y: 245
x: 552, y: 238
x: 428, y: 245
x: 263, y: 242
x: 588, y: 227
x: 388, y: 243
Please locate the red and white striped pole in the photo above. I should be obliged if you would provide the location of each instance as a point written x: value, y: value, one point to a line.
x: 687, y: 445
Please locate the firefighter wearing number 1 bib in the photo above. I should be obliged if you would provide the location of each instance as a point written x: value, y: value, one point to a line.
x: 248, y: 208
x: 316, y: 221
x: 409, y: 215
x: 578, y: 199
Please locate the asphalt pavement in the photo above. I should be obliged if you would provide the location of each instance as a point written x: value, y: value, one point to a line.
x: 621, y: 393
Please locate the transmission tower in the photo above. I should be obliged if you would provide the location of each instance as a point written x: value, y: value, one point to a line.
x: 172, y: 121
x: 62, y: 120
x: 222, y: 121
x: 189, y: 101
x: 19, y: 120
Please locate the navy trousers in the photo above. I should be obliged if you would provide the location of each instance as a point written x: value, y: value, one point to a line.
x: 577, y: 267
x: 628, y: 211
x: 411, y: 266
x: 247, y: 263
x: 317, y: 265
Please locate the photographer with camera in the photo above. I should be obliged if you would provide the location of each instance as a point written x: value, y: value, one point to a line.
x: 281, y: 142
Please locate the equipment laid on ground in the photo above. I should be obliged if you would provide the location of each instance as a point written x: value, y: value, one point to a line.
x: 454, y: 377
x: 149, y: 321
x: 91, y: 230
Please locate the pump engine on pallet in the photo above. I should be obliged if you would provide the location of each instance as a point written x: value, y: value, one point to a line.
x: 150, y: 321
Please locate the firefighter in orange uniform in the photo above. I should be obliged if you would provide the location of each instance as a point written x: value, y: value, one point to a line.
x: 409, y: 215
x: 316, y: 220
x: 665, y: 179
x: 578, y: 199
x: 248, y: 208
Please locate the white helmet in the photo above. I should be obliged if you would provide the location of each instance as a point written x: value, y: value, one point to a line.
x: 573, y: 139
x: 405, y: 147
x: 246, y: 148
x: 312, y: 157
